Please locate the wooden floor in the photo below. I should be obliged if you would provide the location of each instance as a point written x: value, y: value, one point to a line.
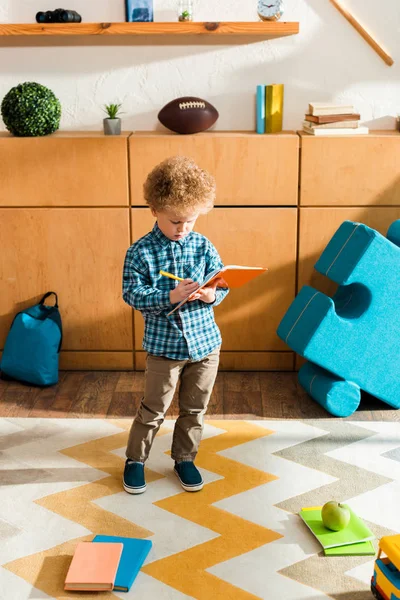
x: 107, y: 394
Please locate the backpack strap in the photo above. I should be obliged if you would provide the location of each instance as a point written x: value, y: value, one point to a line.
x: 54, y: 315
x: 47, y: 295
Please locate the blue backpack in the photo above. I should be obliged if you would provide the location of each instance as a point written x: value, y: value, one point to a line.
x: 33, y: 345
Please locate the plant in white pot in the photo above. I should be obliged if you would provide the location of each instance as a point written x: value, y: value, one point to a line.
x: 112, y: 124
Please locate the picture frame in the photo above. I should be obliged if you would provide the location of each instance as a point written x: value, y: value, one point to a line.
x: 139, y: 11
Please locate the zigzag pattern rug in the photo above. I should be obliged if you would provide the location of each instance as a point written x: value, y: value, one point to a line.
x: 240, y: 538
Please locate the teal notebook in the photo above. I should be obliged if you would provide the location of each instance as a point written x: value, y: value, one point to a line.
x: 355, y: 532
x: 133, y: 556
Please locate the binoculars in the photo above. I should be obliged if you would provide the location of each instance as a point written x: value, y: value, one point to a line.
x: 59, y: 15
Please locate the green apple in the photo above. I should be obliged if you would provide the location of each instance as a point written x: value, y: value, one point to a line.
x: 335, y: 516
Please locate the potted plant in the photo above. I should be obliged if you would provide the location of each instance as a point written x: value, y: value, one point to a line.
x: 112, y: 124
x: 31, y: 109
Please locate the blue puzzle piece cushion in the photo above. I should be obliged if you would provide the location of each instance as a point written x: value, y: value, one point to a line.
x: 354, y: 336
x: 337, y: 396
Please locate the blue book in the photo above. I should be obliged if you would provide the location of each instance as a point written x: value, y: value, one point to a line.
x: 133, y: 556
x: 260, y: 109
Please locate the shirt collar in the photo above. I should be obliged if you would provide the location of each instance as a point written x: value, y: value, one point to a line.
x: 163, y: 240
x: 159, y: 236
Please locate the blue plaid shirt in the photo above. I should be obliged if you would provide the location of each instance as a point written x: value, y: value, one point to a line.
x: 191, y: 331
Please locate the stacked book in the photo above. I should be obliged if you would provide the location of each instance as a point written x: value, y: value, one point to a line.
x: 332, y: 119
x: 354, y: 540
x: 106, y: 563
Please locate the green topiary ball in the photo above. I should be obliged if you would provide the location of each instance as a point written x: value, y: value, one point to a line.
x: 31, y: 109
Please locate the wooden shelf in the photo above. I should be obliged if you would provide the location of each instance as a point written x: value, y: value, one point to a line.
x: 260, y: 29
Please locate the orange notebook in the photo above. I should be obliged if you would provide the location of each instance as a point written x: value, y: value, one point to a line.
x: 93, y: 566
x: 233, y: 275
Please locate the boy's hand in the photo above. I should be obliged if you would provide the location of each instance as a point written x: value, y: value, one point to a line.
x: 207, y: 294
x: 183, y: 289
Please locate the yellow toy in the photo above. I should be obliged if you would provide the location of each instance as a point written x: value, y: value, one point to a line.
x: 385, y: 582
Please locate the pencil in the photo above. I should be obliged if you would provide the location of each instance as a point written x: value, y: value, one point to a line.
x: 171, y: 276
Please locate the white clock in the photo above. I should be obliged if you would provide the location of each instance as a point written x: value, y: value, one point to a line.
x: 270, y: 10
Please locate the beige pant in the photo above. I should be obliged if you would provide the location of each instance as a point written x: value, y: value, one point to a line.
x: 196, y: 384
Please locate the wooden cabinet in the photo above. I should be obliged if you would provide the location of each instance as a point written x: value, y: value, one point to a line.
x: 250, y: 169
x: 249, y: 316
x: 79, y: 254
x: 64, y: 169
x: 67, y: 220
x: 350, y: 170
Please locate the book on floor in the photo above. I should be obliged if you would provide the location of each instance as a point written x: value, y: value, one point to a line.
x: 133, y: 556
x: 337, y: 131
x: 357, y: 549
x: 326, y: 108
x: 332, y: 118
x: 233, y: 276
x: 355, y: 532
x: 93, y: 567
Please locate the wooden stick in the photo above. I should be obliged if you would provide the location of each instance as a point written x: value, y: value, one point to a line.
x: 367, y: 37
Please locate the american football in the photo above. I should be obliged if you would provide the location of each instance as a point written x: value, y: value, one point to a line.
x: 188, y: 115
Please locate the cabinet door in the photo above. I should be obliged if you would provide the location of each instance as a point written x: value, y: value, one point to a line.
x: 249, y: 316
x: 249, y: 169
x: 350, y: 170
x: 317, y: 226
x: 64, y: 169
x: 79, y: 254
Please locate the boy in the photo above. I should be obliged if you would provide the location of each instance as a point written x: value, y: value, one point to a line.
x: 185, y: 345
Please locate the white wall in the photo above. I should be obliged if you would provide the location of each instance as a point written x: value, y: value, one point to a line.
x: 328, y: 60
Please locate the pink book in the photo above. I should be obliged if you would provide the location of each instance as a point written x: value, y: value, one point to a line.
x: 93, y: 566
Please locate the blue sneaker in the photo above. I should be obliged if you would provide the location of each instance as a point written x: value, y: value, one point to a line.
x: 133, y: 480
x: 189, y: 476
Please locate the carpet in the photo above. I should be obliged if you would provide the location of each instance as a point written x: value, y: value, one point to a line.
x: 240, y: 538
